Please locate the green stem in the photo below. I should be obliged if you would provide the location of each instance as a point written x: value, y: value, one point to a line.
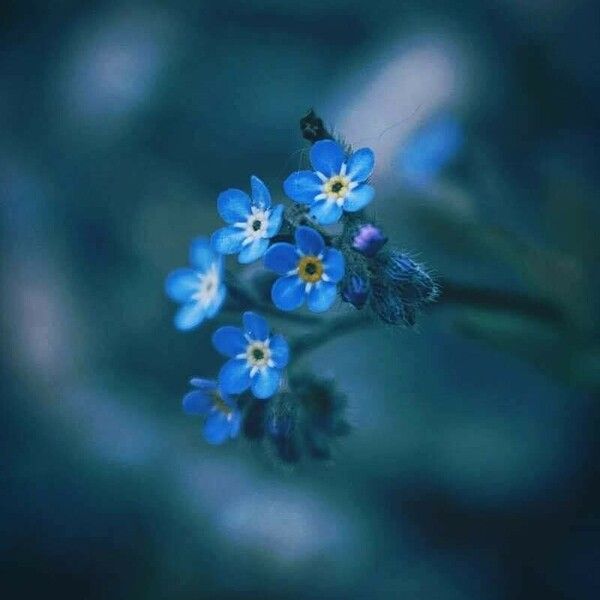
x: 461, y: 295
x: 481, y: 297
x: 334, y: 328
x: 247, y: 300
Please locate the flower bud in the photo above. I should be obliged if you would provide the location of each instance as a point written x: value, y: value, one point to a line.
x: 368, y: 240
x: 399, y: 288
x: 410, y: 279
x: 356, y: 291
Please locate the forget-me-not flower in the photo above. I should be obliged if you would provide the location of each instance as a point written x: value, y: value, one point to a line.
x: 223, y: 419
x: 337, y: 183
x: 199, y: 289
x: 252, y: 222
x: 309, y: 271
x: 256, y: 357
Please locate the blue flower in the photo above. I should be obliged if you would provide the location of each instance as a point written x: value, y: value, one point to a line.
x: 337, y: 183
x: 200, y: 289
x: 223, y: 419
x: 252, y: 222
x: 309, y: 270
x: 257, y: 358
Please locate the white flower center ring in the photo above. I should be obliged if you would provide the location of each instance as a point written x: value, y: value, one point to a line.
x: 208, y: 286
x: 255, y: 227
x: 257, y: 355
x: 336, y: 188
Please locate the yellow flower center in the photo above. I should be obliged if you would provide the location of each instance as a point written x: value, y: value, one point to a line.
x: 258, y: 354
x: 310, y: 269
x: 336, y: 187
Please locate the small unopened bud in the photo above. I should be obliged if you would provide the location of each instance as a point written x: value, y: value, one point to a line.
x: 400, y: 287
x: 410, y: 279
x: 369, y: 240
x: 356, y: 291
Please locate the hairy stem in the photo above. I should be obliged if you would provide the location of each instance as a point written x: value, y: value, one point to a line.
x: 481, y: 297
x: 462, y: 295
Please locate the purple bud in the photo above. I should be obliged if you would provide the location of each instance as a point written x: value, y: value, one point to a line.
x: 356, y: 291
x: 369, y: 240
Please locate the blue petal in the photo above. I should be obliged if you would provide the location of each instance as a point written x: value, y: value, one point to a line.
x: 287, y: 293
x: 201, y: 254
x: 327, y: 157
x: 218, y: 262
x: 309, y: 241
x: 359, y: 197
x: 280, y: 351
x: 265, y: 383
x: 190, y: 315
x: 302, y: 186
x: 229, y: 341
x: 325, y: 212
x: 255, y: 326
x: 217, y: 302
x: 253, y: 251
x: 321, y: 296
x: 275, y: 221
x: 216, y: 428
x: 260, y: 193
x: 334, y: 264
x: 233, y: 206
x: 228, y: 240
x: 181, y: 284
x: 281, y: 258
x: 361, y: 163
x: 234, y: 376
x: 203, y: 384
x: 234, y: 424
x: 198, y: 402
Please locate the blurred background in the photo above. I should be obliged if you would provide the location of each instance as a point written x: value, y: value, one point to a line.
x: 471, y: 471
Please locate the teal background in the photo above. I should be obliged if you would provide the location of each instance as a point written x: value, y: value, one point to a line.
x: 472, y: 469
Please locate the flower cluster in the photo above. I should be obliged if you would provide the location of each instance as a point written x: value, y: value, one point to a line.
x: 255, y: 391
x: 395, y: 286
